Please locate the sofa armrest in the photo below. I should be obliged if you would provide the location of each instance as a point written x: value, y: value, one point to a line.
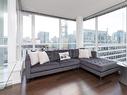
x: 27, y: 66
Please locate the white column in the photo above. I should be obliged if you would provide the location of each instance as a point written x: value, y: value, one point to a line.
x: 79, y: 32
x: 60, y: 33
x: 19, y: 35
x: 12, y: 30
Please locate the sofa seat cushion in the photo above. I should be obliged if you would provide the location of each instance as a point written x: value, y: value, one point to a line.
x: 69, y: 62
x: 44, y: 67
x: 98, y: 64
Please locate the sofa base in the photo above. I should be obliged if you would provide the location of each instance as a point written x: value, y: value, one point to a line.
x: 98, y: 73
x: 49, y: 72
x: 52, y: 71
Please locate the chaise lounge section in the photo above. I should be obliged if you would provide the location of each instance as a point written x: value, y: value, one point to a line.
x: 98, y: 66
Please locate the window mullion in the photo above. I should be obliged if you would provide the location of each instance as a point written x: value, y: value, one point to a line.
x: 33, y: 31
x: 96, y: 30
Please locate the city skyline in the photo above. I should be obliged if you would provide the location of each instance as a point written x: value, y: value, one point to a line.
x: 112, y: 22
x: 109, y: 22
x: 117, y: 51
x: 103, y: 37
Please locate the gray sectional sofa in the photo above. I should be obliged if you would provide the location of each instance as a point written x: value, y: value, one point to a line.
x: 98, y: 66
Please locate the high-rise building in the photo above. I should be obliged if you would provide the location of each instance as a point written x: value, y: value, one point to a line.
x: 54, y: 42
x: 119, y: 37
x: 63, y: 34
x: 71, y: 41
x: 43, y: 37
x: 90, y: 36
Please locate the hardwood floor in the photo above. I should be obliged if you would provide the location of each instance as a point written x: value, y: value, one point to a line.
x: 75, y: 82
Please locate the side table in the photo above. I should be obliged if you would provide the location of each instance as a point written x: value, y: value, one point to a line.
x: 123, y: 72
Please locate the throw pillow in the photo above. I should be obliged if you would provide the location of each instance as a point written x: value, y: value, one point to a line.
x: 84, y: 53
x: 34, y: 57
x: 64, y: 56
x: 43, y: 57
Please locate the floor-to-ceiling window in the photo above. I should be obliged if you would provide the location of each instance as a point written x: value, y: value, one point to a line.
x: 67, y: 34
x: 112, y: 35
x: 89, y: 34
x: 48, y: 32
x: 3, y: 33
x: 110, y: 31
x: 106, y: 34
x: 26, y: 33
x: 3, y: 42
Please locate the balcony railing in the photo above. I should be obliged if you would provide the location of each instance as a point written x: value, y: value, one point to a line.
x: 115, y: 52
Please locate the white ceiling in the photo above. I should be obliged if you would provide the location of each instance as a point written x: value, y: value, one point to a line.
x: 68, y: 8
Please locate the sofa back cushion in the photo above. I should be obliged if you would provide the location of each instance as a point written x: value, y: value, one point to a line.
x: 74, y: 53
x: 54, y: 54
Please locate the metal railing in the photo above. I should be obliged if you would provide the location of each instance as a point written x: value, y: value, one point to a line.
x: 115, y: 52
